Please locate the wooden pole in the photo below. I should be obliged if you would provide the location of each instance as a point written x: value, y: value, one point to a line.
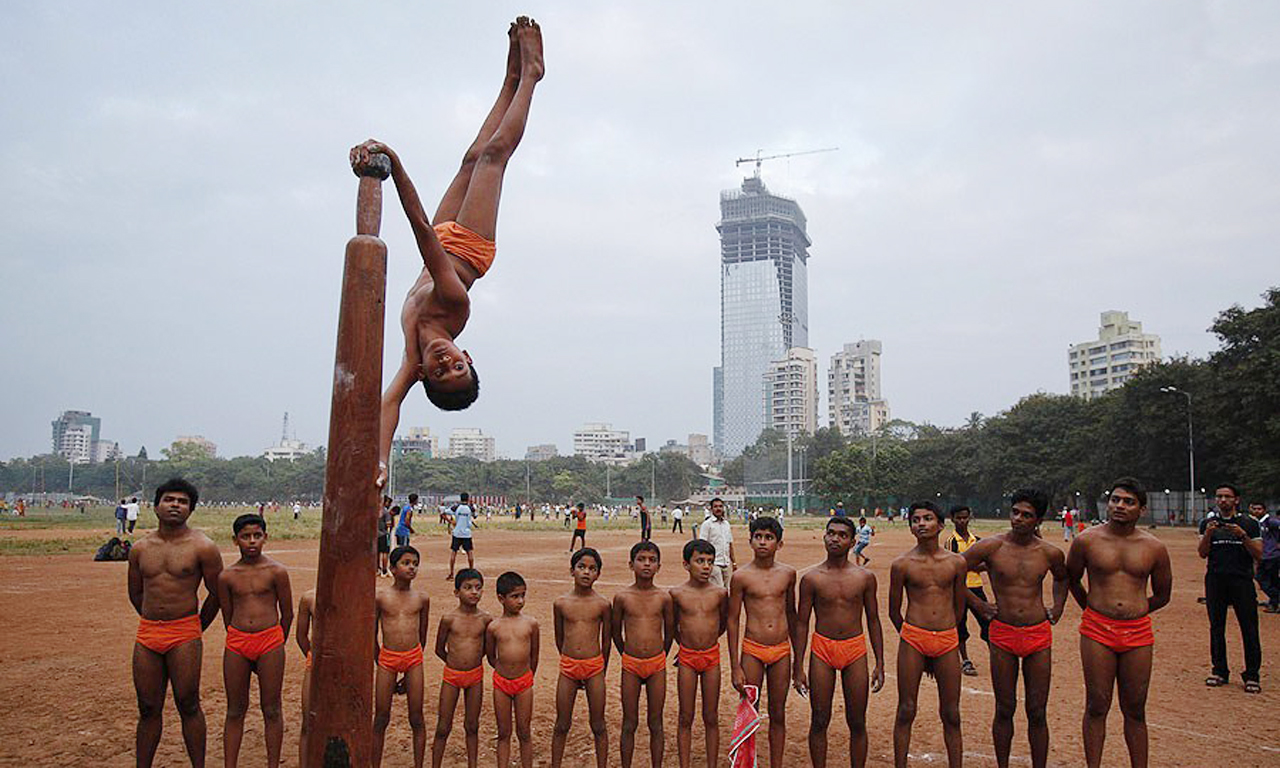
x: 341, y: 711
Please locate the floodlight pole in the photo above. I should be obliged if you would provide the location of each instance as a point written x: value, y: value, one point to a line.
x: 1191, y: 448
x: 340, y: 717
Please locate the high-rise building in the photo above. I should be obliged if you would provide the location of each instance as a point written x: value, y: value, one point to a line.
x: 468, y: 442
x: 791, y: 393
x: 601, y: 442
x: 700, y: 451
x: 541, y: 452
x: 1109, y: 361
x: 764, y: 304
x: 855, y: 405
x: 74, y: 435
x: 417, y: 440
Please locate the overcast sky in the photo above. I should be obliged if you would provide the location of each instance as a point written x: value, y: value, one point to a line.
x: 176, y: 198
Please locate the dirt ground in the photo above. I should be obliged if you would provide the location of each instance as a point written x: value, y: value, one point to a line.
x: 66, y: 696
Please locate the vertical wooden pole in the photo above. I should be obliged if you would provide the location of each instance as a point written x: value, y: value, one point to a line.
x: 341, y: 712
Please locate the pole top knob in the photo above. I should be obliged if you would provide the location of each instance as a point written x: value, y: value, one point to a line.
x: 375, y: 165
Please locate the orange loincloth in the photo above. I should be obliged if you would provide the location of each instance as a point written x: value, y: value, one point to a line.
x: 513, y: 686
x: 699, y: 661
x: 581, y: 669
x: 930, y: 643
x: 766, y: 654
x: 644, y: 668
x: 1020, y: 641
x: 164, y: 636
x: 466, y: 245
x: 254, y: 645
x: 839, y: 654
x: 463, y: 679
x: 399, y: 661
x: 1119, y: 635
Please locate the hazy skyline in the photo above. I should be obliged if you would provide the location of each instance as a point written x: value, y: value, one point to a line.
x: 177, y: 199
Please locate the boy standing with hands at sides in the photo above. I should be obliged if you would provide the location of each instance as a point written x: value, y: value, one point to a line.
x: 838, y: 593
x: 934, y: 582
x: 401, y: 622
x: 512, y: 642
x: 1020, y: 628
x: 767, y: 589
x: 257, y: 607
x: 165, y: 570
x: 306, y: 606
x: 700, y: 615
x: 583, y: 622
x: 460, y: 645
x: 643, y: 623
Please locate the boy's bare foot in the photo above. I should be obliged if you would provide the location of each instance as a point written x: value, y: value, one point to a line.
x: 513, y: 52
x: 530, y: 34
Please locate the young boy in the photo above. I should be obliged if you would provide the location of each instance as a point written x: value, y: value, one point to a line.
x: 768, y: 591
x: 460, y: 645
x: 934, y: 581
x: 959, y: 542
x: 1115, y: 631
x: 257, y: 607
x: 838, y: 593
x: 579, y: 530
x: 643, y: 622
x: 306, y: 605
x: 583, y: 621
x: 511, y: 643
x: 165, y: 570
x: 700, y: 614
x: 401, y: 620
x: 864, y: 534
x: 459, y: 249
x: 1021, y: 631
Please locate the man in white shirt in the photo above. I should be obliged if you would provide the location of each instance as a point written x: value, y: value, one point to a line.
x: 677, y: 518
x: 717, y: 532
x: 131, y: 513
x: 463, y: 521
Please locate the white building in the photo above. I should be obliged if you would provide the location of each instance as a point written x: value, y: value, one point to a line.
x: 468, y: 442
x: 287, y: 449
x: 541, y: 452
x: 855, y: 404
x: 1109, y: 361
x: 700, y: 450
x: 417, y: 440
x: 601, y: 442
x: 105, y: 450
x: 208, y: 447
x: 74, y: 435
x: 791, y: 393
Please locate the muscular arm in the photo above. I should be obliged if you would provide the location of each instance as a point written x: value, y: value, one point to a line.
x: 211, y: 567
x: 442, y: 637
x: 735, y: 615
x: 223, y: 596
x: 303, y: 635
x: 389, y: 411
x: 284, y: 598
x: 960, y: 588
x: 1161, y: 581
x: 135, y: 581
x: 895, y: 595
x: 490, y: 643
x: 1075, y: 573
x: 557, y: 616
x: 424, y: 619
x: 872, y: 610
x: 796, y: 631
x: 1061, y: 580
x: 535, y: 643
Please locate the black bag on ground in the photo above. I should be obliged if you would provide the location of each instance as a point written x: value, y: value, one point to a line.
x: 114, y: 549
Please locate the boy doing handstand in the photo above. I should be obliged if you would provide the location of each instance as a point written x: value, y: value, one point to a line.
x: 767, y: 589
x: 511, y: 643
x: 701, y: 613
x: 934, y: 582
x: 257, y: 607
x: 401, y: 620
x: 583, y: 621
x: 643, y: 622
x: 460, y: 645
x: 838, y: 593
x: 459, y: 249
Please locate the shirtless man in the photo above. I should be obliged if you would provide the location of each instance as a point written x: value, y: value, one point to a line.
x: 583, y: 624
x: 838, y: 593
x: 400, y: 619
x: 767, y: 589
x: 701, y: 614
x: 1115, y: 630
x: 1020, y: 626
x: 459, y: 249
x: 643, y: 625
x: 934, y: 582
x: 165, y: 570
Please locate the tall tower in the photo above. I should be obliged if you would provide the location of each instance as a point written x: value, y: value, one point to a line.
x: 764, y: 304
x: 855, y: 405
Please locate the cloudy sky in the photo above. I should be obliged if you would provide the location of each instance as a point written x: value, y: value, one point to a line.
x: 176, y: 198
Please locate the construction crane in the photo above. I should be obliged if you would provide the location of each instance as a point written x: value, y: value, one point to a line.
x: 758, y: 159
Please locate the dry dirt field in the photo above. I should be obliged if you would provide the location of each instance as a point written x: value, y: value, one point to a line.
x: 66, y: 698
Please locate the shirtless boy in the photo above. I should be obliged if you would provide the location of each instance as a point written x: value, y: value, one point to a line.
x: 768, y: 591
x: 165, y: 570
x: 306, y: 607
x: 401, y: 620
x: 701, y: 614
x: 934, y: 582
x: 1020, y: 631
x: 643, y: 623
x: 838, y: 593
x: 584, y: 627
x: 459, y: 249
x: 1115, y: 631
x: 460, y: 645
x: 257, y: 607
x: 511, y: 643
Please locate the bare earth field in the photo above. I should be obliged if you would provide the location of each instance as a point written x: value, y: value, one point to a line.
x: 66, y: 696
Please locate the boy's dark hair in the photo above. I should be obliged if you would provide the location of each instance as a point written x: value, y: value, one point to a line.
x: 457, y: 400
x: 246, y: 520
x: 958, y: 508
x: 644, y: 546
x: 929, y: 505
x: 1234, y: 490
x: 639, y: 497
x: 714, y: 500
x: 845, y: 521
x: 581, y: 505
x: 413, y: 498
x: 1133, y: 486
x: 508, y: 582
x: 698, y: 547
x: 862, y: 520
x: 464, y: 497
x: 395, y: 510
x: 467, y: 574
x: 178, y: 485
x: 586, y: 552
x: 765, y: 523
x: 1037, y: 499
x: 400, y: 552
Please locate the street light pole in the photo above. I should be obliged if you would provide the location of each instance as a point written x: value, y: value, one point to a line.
x: 790, y: 497
x: 1191, y: 446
